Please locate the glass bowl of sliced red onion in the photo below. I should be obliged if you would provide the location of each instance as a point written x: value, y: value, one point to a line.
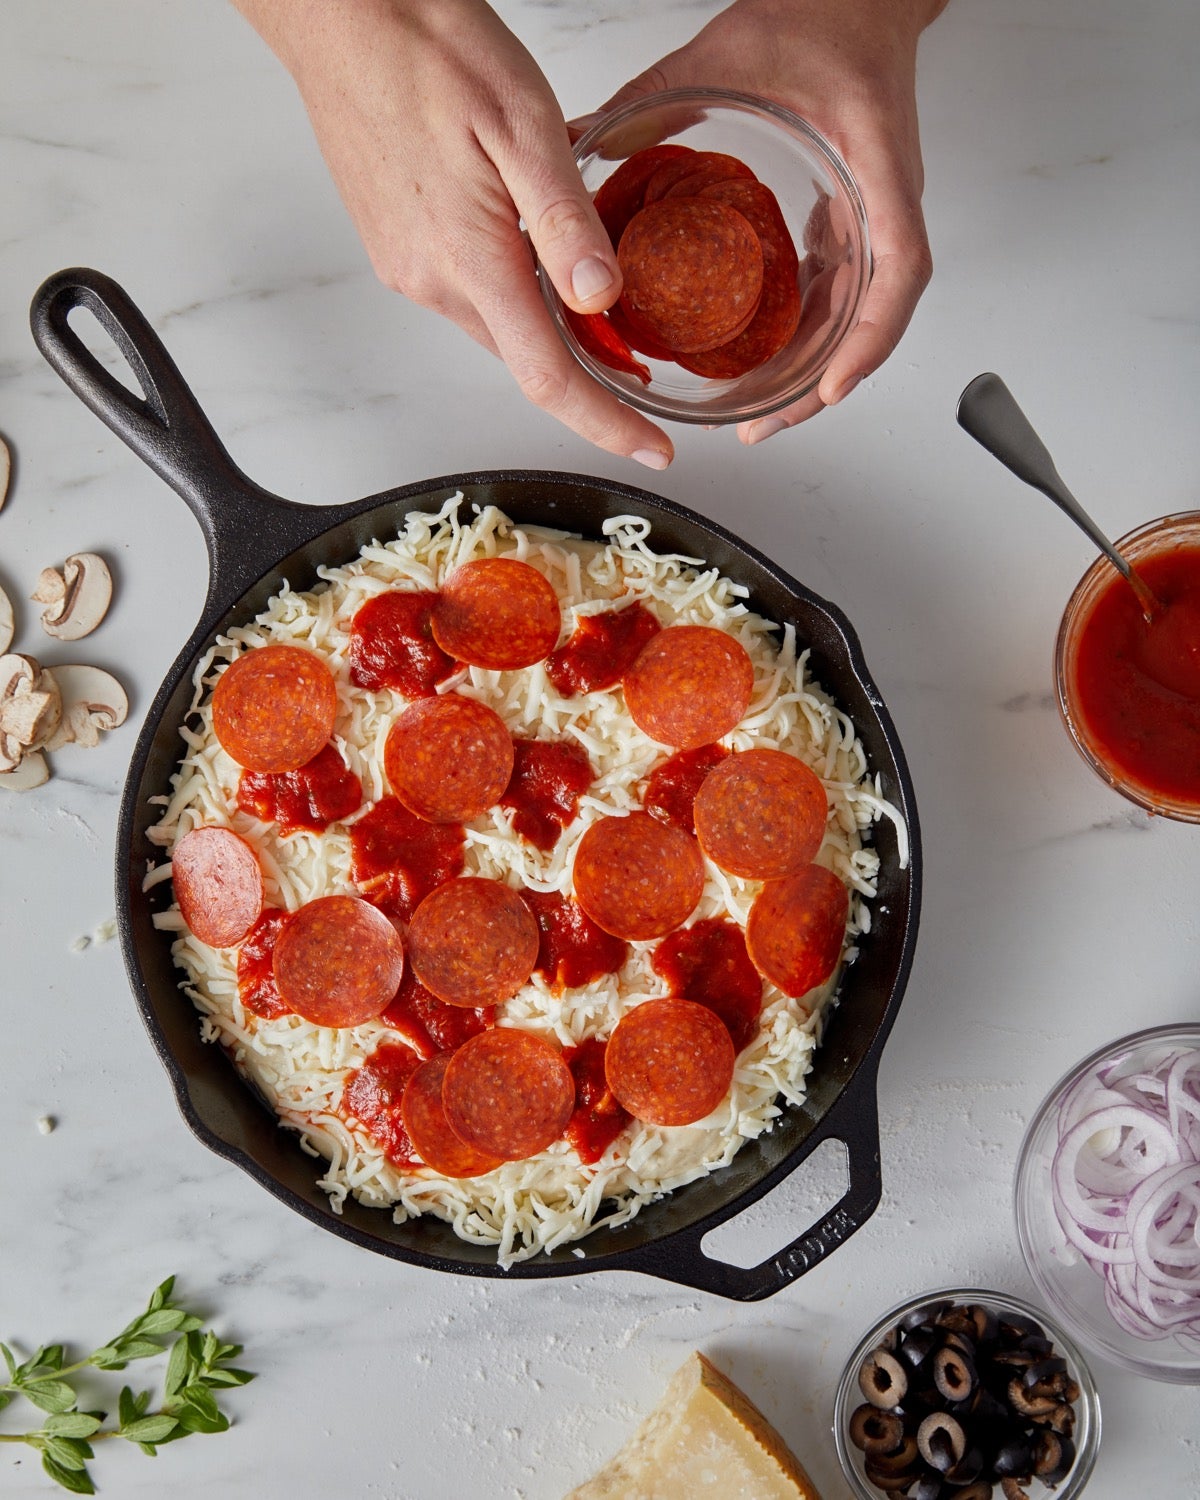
x: 1107, y: 1202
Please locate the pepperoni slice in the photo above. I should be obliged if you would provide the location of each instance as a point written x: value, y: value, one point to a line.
x: 707, y: 962
x: 669, y: 1062
x: 374, y: 1096
x: 497, y: 612
x: 392, y: 645
x: 761, y: 814
x: 273, y: 707
x: 321, y: 792
x: 473, y: 942
x: 680, y: 177
x: 620, y: 196
x: 338, y: 961
x: 548, y: 779
x: 396, y: 858
x: 429, y: 1130
x: 448, y: 759
x: 671, y: 788
x: 637, y: 878
x: 605, y: 342
x: 597, y: 1119
x: 218, y: 884
x: 601, y: 649
x: 508, y: 1093
x: 796, y: 928
x: 690, y: 685
x: 572, y: 949
x: 778, y: 314
x: 257, y: 989
x: 692, y: 271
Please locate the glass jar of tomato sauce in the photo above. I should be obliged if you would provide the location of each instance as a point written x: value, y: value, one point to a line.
x: 1129, y: 686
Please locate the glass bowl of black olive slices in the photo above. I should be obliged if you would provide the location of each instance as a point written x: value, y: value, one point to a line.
x: 966, y: 1395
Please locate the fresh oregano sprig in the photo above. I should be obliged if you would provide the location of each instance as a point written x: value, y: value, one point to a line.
x: 198, y: 1366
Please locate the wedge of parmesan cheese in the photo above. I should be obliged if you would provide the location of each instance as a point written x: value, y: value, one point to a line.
x: 704, y: 1441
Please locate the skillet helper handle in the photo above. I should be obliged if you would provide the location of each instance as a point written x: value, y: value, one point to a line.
x: 854, y: 1120
x: 164, y: 425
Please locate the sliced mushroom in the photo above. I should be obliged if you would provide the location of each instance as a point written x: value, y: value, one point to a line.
x: 30, y: 708
x: 6, y: 620
x: 31, y: 772
x: 92, y: 701
x: 76, y: 599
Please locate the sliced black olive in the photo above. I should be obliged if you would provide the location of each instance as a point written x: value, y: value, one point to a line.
x: 963, y: 1342
x: 1037, y: 1343
x: 941, y: 1440
x: 1015, y: 1457
x: 987, y: 1407
x: 1052, y: 1457
x: 954, y: 1374
x: 927, y: 1314
x: 987, y: 1325
x: 875, y: 1431
x: 928, y: 1487
x: 903, y: 1460
x: 1043, y: 1370
x: 978, y: 1489
x: 1018, y: 1359
x: 1026, y: 1404
x: 968, y: 1468
x: 895, y: 1484
x: 1015, y: 1326
x: 1061, y: 1419
x: 917, y: 1345
x: 882, y: 1379
x: 1011, y: 1489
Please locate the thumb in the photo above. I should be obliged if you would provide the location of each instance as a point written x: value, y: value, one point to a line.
x: 567, y: 234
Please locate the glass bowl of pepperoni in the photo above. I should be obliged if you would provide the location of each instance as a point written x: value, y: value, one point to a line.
x: 744, y: 250
x: 1127, y: 675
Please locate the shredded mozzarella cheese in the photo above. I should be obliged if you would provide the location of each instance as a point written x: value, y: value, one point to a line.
x: 528, y: 1206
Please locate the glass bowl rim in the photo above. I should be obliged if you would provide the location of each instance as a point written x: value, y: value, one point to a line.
x: 1088, y: 587
x: 1174, y: 1374
x: 674, y: 409
x: 1089, y: 1397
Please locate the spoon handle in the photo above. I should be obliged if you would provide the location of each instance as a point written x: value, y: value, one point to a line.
x: 988, y: 411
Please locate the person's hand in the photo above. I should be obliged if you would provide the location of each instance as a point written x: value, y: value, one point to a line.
x: 849, y: 68
x: 441, y: 135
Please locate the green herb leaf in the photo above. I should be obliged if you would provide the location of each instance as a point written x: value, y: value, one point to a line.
x: 228, y: 1375
x: 162, y: 1293
x: 50, y: 1395
x: 10, y: 1360
x: 77, y: 1481
x: 71, y: 1424
x: 161, y: 1320
x: 107, y: 1357
x: 65, y: 1451
x: 135, y: 1348
x: 179, y: 1367
x: 126, y: 1407
x: 149, y: 1429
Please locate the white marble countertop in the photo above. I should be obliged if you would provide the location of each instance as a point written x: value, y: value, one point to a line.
x: 157, y: 141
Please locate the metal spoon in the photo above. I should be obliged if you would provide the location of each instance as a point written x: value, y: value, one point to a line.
x: 988, y: 411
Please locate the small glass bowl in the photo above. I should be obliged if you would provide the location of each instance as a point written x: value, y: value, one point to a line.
x: 824, y: 212
x: 1165, y: 534
x: 1087, y: 1408
x: 1070, y: 1286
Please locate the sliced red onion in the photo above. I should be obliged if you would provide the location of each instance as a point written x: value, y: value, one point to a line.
x: 1125, y: 1180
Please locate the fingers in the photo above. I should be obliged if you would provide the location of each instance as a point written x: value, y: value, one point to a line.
x: 570, y: 241
x: 548, y: 375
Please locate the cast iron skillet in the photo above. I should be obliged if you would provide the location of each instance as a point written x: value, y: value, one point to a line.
x: 256, y: 540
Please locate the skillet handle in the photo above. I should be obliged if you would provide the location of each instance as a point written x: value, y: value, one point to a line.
x: 854, y: 1120
x: 244, y: 525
